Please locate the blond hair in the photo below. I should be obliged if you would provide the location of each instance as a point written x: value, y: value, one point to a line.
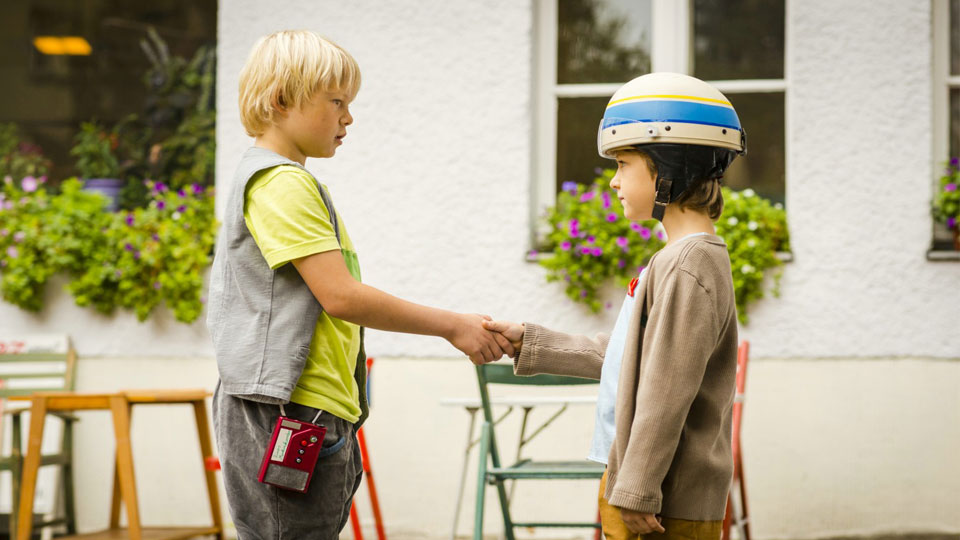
x: 286, y: 69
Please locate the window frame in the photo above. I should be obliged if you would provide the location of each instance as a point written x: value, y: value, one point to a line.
x: 670, y: 50
x: 943, y: 82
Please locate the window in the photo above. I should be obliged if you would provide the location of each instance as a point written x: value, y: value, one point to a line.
x: 946, y: 102
x: 586, y: 49
x: 48, y: 92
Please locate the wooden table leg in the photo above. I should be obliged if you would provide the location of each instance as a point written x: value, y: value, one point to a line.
x: 206, y: 449
x: 128, y: 487
x: 31, y: 464
x: 115, y: 498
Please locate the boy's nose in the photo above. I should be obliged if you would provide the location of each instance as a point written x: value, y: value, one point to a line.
x: 347, y: 119
x: 615, y: 181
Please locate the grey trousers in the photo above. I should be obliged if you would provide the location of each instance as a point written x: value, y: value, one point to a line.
x: 263, y: 512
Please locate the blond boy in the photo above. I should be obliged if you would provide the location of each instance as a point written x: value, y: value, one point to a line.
x: 287, y: 308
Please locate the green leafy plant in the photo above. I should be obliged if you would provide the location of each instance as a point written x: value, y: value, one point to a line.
x: 19, y: 159
x: 591, y: 242
x: 946, y: 202
x: 94, y: 148
x: 42, y: 233
x: 754, y: 231
x: 152, y: 255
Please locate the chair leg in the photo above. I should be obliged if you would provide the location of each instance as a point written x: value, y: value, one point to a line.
x: 16, y: 469
x: 31, y: 463
x: 355, y: 522
x: 69, y: 508
x: 483, y: 452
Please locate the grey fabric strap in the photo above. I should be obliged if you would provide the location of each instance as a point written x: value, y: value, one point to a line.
x: 333, y: 214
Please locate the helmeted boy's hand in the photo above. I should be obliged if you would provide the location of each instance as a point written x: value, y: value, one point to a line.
x: 480, y: 344
x: 510, y: 330
x: 640, y: 522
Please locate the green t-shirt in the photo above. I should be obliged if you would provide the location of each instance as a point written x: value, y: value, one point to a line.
x: 285, y: 214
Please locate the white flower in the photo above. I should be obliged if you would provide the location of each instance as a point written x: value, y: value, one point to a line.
x: 175, y: 216
x: 747, y: 269
x: 749, y: 192
x: 732, y: 220
x: 753, y: 225
x: 778, y: 206
x: 751, y: 243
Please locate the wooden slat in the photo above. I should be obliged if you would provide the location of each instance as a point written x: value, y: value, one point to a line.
x: 33, y: 357
x: 148, y: 533
x: 165, y: 396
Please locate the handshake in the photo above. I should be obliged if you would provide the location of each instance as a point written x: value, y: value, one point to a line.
x: 483, y: 339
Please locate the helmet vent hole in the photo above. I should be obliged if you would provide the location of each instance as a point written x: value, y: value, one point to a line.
x: 614, y: 132
x: 724, y: 131
x: 667, y: 128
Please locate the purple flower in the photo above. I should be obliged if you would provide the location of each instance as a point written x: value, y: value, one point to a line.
x: 611, y: 217
x: 129, y: 219
x: 661, y: 236
x: 587, y: 196
x: 621, y: 263
x: 128, y: 246
x: 8, y: 205
x: 4, y: 232
x: 950, y: 187
x: 583, y: 293
x: 606, y: 199
x: 597, y: 251
x: 161, y: 205
x: 42, y: 179
x: 644, y: 233
x: 182, y: 208
x: 954, y: 161
x: 623, y: 242
x: 181, y: 193
x: 118, y: 273
x: 598, y: 171
x: 565, y: 246
x: 197, y: 189
x: 532, y: 253
x: 574, y: 227
x: 591, y: 239
x: 156, y: 285
x: 19, y: 236
x: 951, y: 222
x: 29, y: 184
x: 12, y: 252
x: 161, y: 187
x: 584, y: 250
x: 155, y: 237
x: 636, y: 226
x: 136, y: 255
x: 569, y: 186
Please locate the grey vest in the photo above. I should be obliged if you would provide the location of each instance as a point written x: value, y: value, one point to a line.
x: 262, y: 320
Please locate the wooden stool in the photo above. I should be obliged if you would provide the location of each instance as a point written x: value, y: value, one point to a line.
x: 124, y: 485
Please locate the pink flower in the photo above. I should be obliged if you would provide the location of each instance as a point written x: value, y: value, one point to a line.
x: 644, y: 233
x: 565, y: 246
x: 597, y: 251
x: 950, y: 187
x: 661, y: 236
x: 12, y: 252
x: 606, y: 199
x: 623, y: 242
x: 587, y: 196
x: 161, y: 205
x: 611, y: 217
x: 29, y: 184
x: 19, y: 236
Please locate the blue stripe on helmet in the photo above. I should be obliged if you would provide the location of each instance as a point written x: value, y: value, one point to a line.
x: 671, y: 111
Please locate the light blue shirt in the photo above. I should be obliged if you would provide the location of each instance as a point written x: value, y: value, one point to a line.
x: 605, y: 427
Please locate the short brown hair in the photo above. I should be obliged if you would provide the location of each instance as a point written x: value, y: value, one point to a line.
x: 705, y: 196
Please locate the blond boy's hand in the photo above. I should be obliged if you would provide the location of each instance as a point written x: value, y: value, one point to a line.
x: 512, y: 331
x: 640, y: 522
x: 481, y: 345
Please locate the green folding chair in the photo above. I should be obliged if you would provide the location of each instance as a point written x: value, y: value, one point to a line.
x: 38, y: 364
x: 525, y: 469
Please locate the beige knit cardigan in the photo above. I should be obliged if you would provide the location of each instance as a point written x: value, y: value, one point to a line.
x: 671, y: 452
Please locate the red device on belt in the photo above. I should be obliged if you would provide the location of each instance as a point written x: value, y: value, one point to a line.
x: 292, y: 454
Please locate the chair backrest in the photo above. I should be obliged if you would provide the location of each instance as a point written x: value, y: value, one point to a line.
x: 503, y: 374
x: 37, y: 363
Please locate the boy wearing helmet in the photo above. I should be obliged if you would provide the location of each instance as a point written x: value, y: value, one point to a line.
x: 667, y: 371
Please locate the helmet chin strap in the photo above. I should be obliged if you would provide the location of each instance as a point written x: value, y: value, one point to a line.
x: 663, y: 198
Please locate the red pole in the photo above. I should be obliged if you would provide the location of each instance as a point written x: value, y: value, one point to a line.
x: 371, y: 487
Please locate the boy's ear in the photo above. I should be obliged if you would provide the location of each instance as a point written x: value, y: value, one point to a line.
x: 278, y: 103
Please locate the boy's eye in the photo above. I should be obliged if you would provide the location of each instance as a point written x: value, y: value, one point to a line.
x: 338, y: 102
